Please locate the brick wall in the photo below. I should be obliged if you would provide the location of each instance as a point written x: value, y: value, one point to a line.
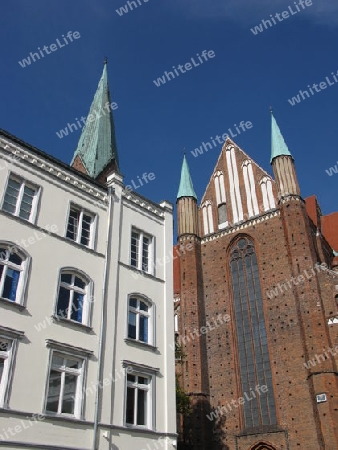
x: 296, y: 319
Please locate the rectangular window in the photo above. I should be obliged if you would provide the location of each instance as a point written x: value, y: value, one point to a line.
x: 321, y: 398
x: 135, y: 243
x: 64, y: 385
x: 141, y: 251
x: 20, y: 198
x: 80, y: 226
x: 138, y: 401
x: 222, y: 214
x: 5, y: 357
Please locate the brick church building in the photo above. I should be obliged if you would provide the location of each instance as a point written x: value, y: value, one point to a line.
x: 256, y: 308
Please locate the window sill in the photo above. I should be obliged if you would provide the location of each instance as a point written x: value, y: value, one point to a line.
x: 274, y: 428
x: 72, y: 323
x: 55, y: 416
x: 140, y: 344
x: 45, y: 415
x: 33, y: 226
x: 138, y: 427
x: 222, y: 226
x: 6, y: 301
x: 31, y: 221
x: 88, y: 247
x: 139, y: 273
x: 143, y: 272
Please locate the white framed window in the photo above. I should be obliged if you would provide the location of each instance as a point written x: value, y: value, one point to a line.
x: 74, y: 293
x: 138, y: 403
x: 5, y: 358
x: 140, y: 320
x: 141, y: 251
x: 321, y: 398
x: 21, y: 198
x: 13, y: 273
x: 65, y: 384
x: 8, y: 345
x: 81, y: 226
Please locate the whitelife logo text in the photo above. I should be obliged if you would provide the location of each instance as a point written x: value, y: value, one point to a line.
x: 168, y: 76
x: 52, y: 47
x: 281, y: 16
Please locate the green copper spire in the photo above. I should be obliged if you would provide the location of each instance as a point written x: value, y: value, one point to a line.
x: 335, y: 253
x: 278, y: 145
x: 186, y: 188
x: 97, y: 145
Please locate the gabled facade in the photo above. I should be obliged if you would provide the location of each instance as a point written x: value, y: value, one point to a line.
x: 86, y: 316
x: 256, y: 306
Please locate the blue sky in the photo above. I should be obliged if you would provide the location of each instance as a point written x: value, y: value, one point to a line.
x: 249, y: 74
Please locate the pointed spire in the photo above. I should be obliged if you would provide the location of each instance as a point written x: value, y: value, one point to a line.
x: 186, y: 188
x: 278, y: 145
x: 97, y: 144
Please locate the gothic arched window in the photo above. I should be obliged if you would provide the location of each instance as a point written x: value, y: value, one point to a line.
x: 254, y: 362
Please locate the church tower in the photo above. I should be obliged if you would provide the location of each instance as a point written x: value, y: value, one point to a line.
x: 187, y: 204
x: 282, y: 163
x: 194, y: 377
x: 96, y: 153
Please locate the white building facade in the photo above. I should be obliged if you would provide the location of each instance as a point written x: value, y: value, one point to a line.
x: 86, y: 315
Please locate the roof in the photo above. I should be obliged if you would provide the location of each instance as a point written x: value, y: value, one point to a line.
x: 97, y: 144
x: 278, y: 145
x: 50, y: 158
x: 186, y: 188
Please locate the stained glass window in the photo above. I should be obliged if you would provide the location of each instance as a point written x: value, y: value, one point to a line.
x: 254, y: 360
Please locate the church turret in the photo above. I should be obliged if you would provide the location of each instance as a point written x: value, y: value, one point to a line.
x: 192, y: 315
x: 187, y: 211
x: 96, y: 153
x: 282, y: 163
